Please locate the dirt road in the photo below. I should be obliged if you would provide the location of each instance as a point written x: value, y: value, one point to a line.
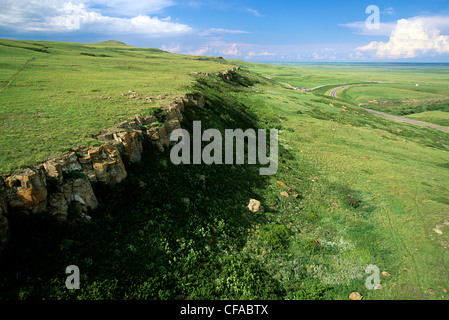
x: 334, y: 92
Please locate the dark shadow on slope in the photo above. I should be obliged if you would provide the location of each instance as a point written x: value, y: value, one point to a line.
x: 166, y: 232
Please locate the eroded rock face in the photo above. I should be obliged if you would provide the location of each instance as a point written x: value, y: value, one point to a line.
x: 27, y: 191
x: 65, y: 184
x: 103, y: 164
x: 76, y: 195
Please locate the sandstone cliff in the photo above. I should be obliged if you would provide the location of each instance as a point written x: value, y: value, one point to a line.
x: 67, y: 183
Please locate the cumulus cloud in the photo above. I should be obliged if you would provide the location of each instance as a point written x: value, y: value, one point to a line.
x: 231, y: 50
x: 67, y: 15
x: 199, y: 52
x: 172, y: 48
x: 412, y: 38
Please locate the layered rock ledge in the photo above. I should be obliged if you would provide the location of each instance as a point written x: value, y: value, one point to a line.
x: 67, y: 183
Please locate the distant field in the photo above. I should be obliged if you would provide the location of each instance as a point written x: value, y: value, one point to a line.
x: 69, y: 91
x: 403, y: 89
x: 310, y: 75
x: 398, y: 92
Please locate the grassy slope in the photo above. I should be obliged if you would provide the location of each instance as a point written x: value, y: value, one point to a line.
x: 437, y: 117
x: 392, y: 167
x: 71, y: 91
x: 368, y: 191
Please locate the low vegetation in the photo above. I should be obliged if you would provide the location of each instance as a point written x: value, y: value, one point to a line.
x: 352, y: 190
x: 55, y: 95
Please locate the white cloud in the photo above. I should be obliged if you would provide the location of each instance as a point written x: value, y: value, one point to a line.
x: 389, y: 11
x: 325, y: 54
x: 231, y: 50
x: 129, y: 8
x: 411, y: 38
x: 221, y: 31
x: 253, y: 54
x: 316, y: 56
x: 172, y: 48
x: 356, y: 56
x: 359, y: 27
x: 66, y: 15
x: 199, y: 52
x: 255, y: 12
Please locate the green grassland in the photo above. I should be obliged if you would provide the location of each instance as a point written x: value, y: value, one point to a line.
x: 437, y: 117
x: 397, y: 170
x: 362, y: 190
x: 68, y: 91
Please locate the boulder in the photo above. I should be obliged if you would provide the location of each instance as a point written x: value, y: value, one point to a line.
x: 355, y: 296
x: 255, y: 206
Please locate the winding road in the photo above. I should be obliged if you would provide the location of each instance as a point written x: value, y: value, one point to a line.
x: 333, y: 93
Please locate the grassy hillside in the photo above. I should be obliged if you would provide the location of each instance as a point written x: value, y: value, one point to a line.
x: 437, y: 117
x: 55, y: 95
x: 352, y: 190
x: 396, y: 171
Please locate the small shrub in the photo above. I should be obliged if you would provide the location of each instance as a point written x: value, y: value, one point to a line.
x: 274, y: 235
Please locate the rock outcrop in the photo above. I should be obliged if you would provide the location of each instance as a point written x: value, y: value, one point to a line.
x: 66, y: 184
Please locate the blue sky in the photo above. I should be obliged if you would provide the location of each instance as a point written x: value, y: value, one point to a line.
x: 290, y: 31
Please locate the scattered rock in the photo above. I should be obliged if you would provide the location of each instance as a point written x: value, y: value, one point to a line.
x: 284, y: 194
x: 282, y: 184
x: 445, y: 290
x: 439, y: 226
x: 355, y: 296
x: 385, y: 274
x: 255, y: 206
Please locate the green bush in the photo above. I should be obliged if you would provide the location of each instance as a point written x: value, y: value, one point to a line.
x: 276, y: 236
